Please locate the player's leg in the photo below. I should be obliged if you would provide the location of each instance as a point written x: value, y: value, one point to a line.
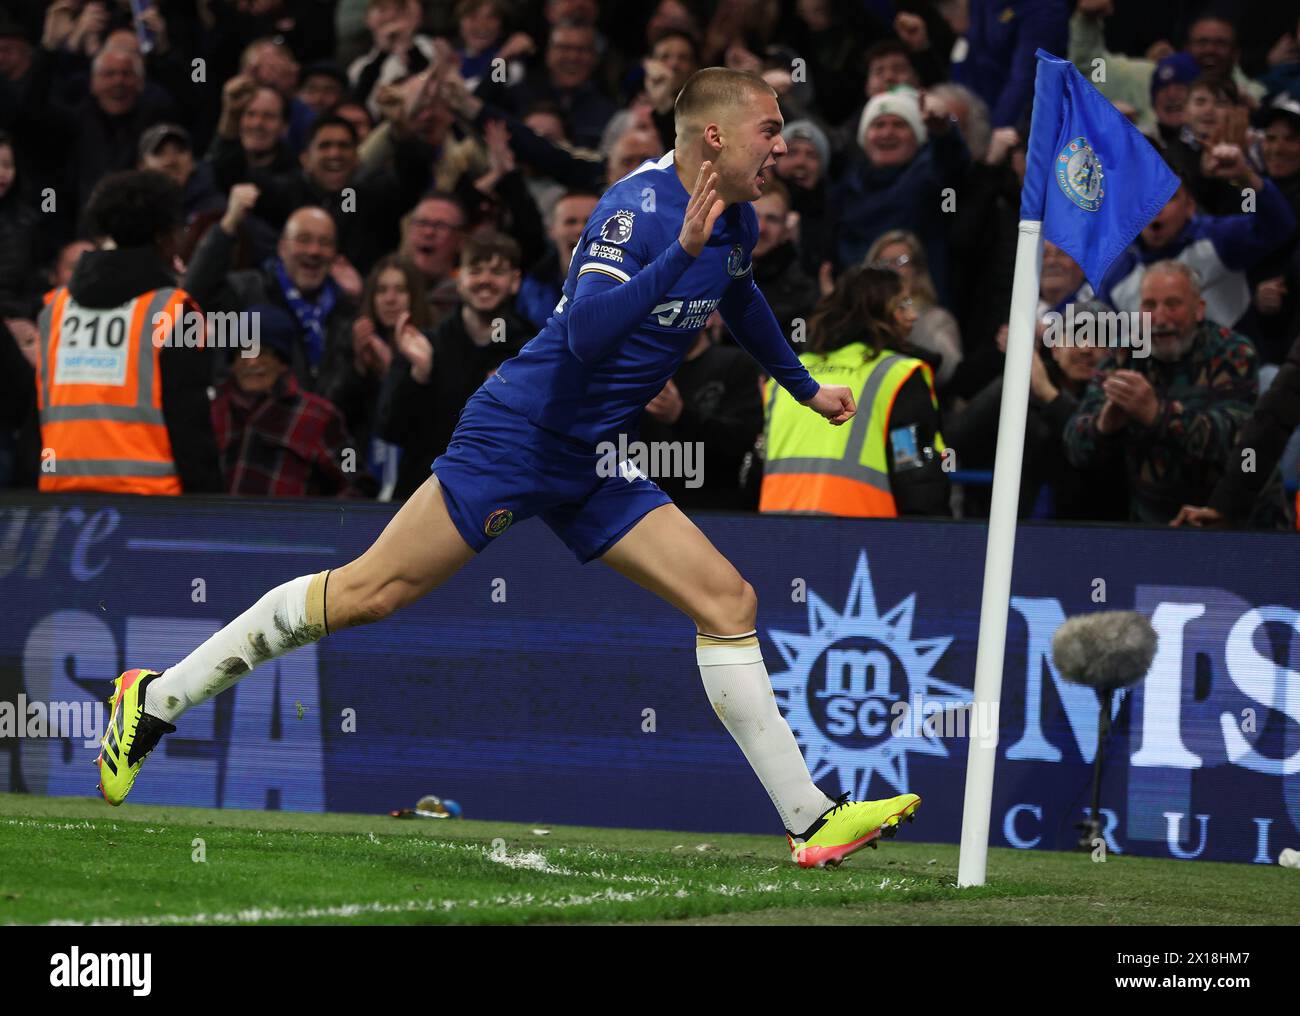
x: 419, y: 549
x: 667, y: 554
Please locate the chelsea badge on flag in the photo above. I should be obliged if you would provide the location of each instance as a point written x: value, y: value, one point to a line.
x: 1078, y: 171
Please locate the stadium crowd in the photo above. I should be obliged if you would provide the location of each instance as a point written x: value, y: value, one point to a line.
x: 396, y: 189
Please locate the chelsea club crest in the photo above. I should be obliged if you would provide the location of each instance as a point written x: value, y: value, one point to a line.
x: 618, y: 227
x: 1079, y: 172
x: 734, y: 260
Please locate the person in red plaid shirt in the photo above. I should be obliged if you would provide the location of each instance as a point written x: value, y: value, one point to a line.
x: 274, y: 438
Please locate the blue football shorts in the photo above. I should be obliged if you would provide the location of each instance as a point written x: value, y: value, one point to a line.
x: 500, y: 468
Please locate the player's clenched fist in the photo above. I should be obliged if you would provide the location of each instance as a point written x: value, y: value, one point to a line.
x: 835, y: 402
x: 702, y: 211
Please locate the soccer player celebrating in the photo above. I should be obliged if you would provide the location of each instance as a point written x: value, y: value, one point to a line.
x: 666, y: 246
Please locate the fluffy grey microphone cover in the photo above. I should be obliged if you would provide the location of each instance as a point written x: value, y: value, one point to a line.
x: 1109, y: 649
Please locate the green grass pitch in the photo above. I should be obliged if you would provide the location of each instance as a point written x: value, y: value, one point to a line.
x: 77, y: 860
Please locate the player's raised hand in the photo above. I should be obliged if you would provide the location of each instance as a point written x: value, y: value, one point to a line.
x: 835, y: 402
x: 702, y: 211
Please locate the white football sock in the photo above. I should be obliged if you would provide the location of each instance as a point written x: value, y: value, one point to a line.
x: 289, y: 616
x: 741, y: 693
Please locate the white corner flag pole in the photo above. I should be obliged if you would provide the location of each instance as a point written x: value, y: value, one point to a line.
x: 983, y: 726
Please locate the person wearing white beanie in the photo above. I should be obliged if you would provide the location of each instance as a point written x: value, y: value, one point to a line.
x: 909, y: 160
x: 902, y: 102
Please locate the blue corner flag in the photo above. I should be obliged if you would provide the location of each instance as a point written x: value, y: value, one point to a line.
x: 1091, y: 177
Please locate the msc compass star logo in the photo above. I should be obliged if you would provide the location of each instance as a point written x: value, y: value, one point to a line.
x: 845, y: 681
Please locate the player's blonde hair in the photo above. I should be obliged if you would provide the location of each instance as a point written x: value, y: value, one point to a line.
x: 710, y: 91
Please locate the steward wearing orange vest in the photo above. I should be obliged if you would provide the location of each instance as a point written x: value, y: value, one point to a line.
x: 887, y: 460
x: 123, y: 402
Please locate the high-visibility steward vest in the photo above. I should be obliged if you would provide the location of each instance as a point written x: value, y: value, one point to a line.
x: 99, y: 389
x: 815, y: 468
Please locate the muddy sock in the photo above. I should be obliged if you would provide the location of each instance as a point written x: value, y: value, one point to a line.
x: 289, y: 616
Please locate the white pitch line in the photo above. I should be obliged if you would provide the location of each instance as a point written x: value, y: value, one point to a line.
x: 255, y: 915
x: 533, y: 861
x: 528, y: 861
x: 38, y: 824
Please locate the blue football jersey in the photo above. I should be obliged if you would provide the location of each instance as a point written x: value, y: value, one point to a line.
x: 639, y: 218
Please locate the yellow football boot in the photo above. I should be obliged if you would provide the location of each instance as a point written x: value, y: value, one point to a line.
x: 848, y: 827
x: 132, y: 734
